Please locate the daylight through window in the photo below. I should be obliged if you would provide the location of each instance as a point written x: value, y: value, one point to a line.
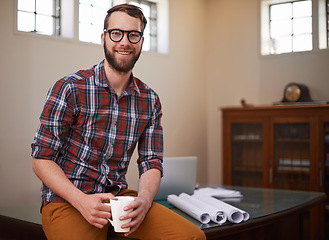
x: 39, y: 16
x: 150, y: 33
x: 58, y: 18
x: 291, y: 27
x: 91, y: 19
x: 327, y: 7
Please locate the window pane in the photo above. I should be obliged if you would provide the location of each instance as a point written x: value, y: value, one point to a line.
x: 280, y: 28
x: 26, y: 5
x: 25, y: 21
x: 327, y: 23
x: 146, y: 10
x: 302, y: 25
x: 98, y: 16
x: 146, y: 44
x: 85, y: 2
x: 284, y: 45
x: 91, y: 19
x: 96, y: 35
x: 85, y: 32
x: 85, y: 13
x: 150, y: 32
x: 302, y: 43
x: 44, y: 25
x: 281, y: 11
x: 45, y: 7
x: 302, y: 9
x: 102, y: 4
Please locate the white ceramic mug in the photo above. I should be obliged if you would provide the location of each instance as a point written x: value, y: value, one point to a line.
x: 117, y: 211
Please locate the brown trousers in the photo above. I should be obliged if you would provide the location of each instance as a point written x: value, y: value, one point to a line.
x: 61, y: 221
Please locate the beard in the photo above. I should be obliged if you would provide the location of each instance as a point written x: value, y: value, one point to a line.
x: 121, y: 67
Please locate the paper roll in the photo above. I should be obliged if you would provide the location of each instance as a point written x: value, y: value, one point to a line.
x: 234, y: 215
x: 190, y: 209
x: 216, y: 215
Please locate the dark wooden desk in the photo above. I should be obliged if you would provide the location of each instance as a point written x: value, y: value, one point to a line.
x: 274, y: 215
x: 21, y: 222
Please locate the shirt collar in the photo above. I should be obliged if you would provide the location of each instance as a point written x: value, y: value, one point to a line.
x: 100, y: 79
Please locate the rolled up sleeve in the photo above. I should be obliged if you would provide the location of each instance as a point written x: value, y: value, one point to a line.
x: 55, y: 121
x: 151, y: 142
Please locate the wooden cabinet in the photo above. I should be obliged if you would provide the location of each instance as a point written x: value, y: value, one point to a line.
x: 283, y: 147
x: 276, y: 146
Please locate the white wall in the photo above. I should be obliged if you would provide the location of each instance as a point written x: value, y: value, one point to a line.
x: 213, y: 61
x: 233, y: 67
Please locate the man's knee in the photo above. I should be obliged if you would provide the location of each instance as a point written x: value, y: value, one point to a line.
x: 163, y: 223
x: 63, y: 221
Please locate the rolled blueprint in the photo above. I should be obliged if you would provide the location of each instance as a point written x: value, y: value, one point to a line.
x: 188, y: 208
x: 234, y: 215
x: 216, y: 215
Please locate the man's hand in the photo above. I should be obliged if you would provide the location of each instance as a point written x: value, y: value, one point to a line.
x: 148, y: 186
x: 140, y: 208
x: 93, y: 209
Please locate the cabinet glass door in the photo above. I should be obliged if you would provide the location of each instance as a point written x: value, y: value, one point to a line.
x: 291, y: 168
x: 326, y: 163
x: 326, y: 148
x: 247, y: 154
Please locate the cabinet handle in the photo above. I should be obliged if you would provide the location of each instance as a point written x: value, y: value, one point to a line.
x: 320, y: 178
x: 271, y: 175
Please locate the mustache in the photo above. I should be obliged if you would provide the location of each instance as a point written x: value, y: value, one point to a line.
x: 124, y: 49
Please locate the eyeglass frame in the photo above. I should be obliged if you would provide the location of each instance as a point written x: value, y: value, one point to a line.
x: 123, y: 34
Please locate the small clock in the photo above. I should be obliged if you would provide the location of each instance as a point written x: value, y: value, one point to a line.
x: 296, y: 92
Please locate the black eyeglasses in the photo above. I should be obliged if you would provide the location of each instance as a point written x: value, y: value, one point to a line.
x: 116, y: 35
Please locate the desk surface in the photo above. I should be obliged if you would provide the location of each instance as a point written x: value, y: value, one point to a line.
x: 262, y: 202
x: 265, y: 206
x: 258, y: 202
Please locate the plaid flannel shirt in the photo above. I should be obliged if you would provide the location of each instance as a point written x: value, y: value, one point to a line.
x: 91, y: 134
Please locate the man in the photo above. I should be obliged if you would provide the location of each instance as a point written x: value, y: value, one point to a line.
x: 89, y: 127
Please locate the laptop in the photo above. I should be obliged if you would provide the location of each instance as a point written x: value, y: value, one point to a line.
x: 179, y: 175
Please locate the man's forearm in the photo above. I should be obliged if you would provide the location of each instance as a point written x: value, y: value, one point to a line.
x: 90, y: 206
x: 148, y: 184
x: 55, y: 179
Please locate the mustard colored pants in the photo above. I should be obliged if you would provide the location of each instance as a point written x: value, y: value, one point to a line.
x: 61, y: 221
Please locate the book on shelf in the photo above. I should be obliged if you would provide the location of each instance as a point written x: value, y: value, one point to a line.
x: 298, y: 165
x: 294, y: 162
x: 294, y: 168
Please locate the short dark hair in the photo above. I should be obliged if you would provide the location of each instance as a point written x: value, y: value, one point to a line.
x: 131, y: 10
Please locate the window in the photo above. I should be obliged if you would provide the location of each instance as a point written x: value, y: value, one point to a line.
x: 83, y: 20
x: 150, y: 33
x: 93, y: 12
x: 39, y: 16
x: 91, y: 19
x: 291, y: 27
x: 327, y: 7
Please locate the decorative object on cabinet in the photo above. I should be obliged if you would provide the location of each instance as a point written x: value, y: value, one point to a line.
x: 296, y: 92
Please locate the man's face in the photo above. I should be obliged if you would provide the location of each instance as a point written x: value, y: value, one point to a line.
x: 122, y: 55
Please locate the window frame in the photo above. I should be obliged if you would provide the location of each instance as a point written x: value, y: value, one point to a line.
x: 91, y: 24
x: 320, y: 31
x: 56, y: 18
x: 69, y: 24
x: 293, y: 34
x: 327, y: 22
x: 152, y: 23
